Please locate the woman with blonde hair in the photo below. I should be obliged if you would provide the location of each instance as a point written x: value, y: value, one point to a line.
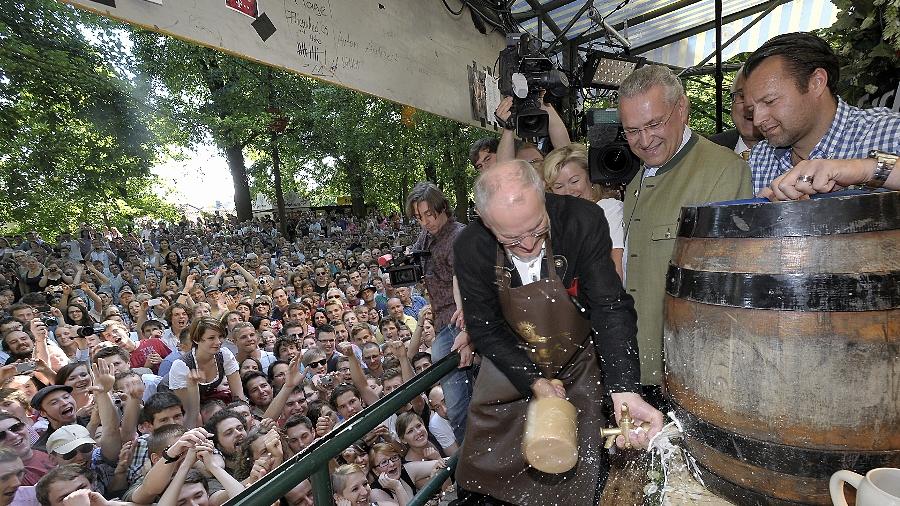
x: 565, y: 172
x: 351, y: 487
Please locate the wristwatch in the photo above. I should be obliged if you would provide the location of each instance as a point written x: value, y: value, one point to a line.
x: 884, y: 164
x: 167, y: 458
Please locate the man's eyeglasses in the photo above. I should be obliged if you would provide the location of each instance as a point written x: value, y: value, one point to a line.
x: 320, y: 363
x: 387, y: 462
x: 537, y: 234
x: 18, y: 427
x: 295, y: 336
x: 83, y: 449
x: 652, y: 128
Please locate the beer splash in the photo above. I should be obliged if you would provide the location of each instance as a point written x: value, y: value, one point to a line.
x: 668, y: 457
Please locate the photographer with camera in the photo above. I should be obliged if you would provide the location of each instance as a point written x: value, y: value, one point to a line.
x: 511, y: 149
x: 428, y: 205
x: 526, y: 78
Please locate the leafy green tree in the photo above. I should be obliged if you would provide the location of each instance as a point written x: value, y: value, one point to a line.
x: 208, y: 95
x: 867, y: 38
x: 75, y: 143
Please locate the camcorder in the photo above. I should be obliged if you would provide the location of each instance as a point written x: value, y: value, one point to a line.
x: 524, y: 73
x: 405, y: 269
x: 610, y: 160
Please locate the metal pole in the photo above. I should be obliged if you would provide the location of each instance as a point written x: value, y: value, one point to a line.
x: 587, y: 5
x: 321, y: 487
x: 720, y: 76
x: 434, y: 485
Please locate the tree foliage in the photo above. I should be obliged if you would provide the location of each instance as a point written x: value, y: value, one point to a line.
x: 867, y: 37
x: 75, y: 143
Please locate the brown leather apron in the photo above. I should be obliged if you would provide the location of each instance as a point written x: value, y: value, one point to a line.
x: 556, y: 335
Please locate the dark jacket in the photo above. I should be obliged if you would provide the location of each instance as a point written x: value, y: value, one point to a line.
x: 580, y: 234
x: 728, y: 138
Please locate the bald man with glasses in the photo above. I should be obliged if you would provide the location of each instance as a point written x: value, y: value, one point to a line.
x: 540, y: 294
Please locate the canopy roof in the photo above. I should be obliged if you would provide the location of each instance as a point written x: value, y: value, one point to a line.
x: 679, y: 33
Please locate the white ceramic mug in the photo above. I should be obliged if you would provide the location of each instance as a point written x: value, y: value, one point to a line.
x: 879, y: 487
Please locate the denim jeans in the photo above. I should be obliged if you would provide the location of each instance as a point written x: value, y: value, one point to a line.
x: 457, y: 385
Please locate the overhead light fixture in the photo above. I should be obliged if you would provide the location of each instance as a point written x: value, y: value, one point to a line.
x: 608, y: 70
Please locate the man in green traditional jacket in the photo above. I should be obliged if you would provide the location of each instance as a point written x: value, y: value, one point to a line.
x: 679, y: 168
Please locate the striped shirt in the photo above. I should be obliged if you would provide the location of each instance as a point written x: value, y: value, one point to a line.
x: 853, y: 133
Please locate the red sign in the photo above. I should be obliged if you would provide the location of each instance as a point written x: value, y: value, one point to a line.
x: 247, y: 7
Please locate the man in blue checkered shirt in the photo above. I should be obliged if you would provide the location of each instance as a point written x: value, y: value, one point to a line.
x: 814, y: 141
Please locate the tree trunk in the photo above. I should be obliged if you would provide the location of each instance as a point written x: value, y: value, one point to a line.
x: 460, y: 186
x: 431, y: 173
x: 279, y: 191
x: 357, y: 183
x: 404, y: 182
x: 242, y: 205
x: 234, y: 154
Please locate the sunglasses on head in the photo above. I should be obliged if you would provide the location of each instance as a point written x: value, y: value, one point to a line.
x: 12, y: 428
x: 320, y: 363
x: 85, y: 448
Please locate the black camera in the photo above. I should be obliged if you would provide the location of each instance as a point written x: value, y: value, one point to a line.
x: 610, y: 159
x: 407, y: 270
x: 524, y: 73
x: 48, y: 321
x: 97, y: 328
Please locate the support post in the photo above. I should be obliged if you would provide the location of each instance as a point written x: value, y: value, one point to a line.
x: 720, y: 76
x: 321, y: 486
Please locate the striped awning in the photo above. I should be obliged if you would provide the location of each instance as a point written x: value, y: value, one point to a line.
x: 682, y: 36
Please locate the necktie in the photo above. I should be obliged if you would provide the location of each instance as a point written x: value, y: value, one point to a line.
x: 745, y: 154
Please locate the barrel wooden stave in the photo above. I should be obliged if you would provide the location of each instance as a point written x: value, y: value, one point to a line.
x: 788, y: 373
x: 782, y: 343
x: 845, y: 253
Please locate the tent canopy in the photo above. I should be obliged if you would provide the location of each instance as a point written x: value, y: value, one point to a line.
x: 680, y: 33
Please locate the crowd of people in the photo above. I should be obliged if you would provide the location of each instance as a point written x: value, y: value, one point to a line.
x: 179, y: 363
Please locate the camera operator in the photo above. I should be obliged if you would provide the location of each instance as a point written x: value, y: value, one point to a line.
x: 427, y: 204
x: 509, y: 149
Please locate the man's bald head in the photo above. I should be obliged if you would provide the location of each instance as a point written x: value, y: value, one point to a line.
x: 508, y: 184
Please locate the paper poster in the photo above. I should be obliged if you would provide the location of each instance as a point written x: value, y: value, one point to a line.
x: 492, y: 97
x: 247, y: 7
x: 476, y: 93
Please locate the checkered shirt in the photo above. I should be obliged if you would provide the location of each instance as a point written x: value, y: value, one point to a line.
x: 853, y: 133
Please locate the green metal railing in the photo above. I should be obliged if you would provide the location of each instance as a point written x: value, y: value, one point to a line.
x: 312, y: 462
x: 434, y: 485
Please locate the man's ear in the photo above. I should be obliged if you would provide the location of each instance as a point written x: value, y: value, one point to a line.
x: 818, y: 82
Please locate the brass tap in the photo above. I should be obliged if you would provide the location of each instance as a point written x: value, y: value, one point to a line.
x: 626, y: 425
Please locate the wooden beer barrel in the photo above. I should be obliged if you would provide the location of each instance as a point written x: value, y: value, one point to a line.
x: 782, y: 343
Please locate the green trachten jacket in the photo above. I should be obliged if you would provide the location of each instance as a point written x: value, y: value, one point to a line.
x: 701, y: 172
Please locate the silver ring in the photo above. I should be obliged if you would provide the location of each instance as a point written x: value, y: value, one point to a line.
x: 805, y: 178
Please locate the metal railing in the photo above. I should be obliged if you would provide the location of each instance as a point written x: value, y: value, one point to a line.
x: 312, y: 462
